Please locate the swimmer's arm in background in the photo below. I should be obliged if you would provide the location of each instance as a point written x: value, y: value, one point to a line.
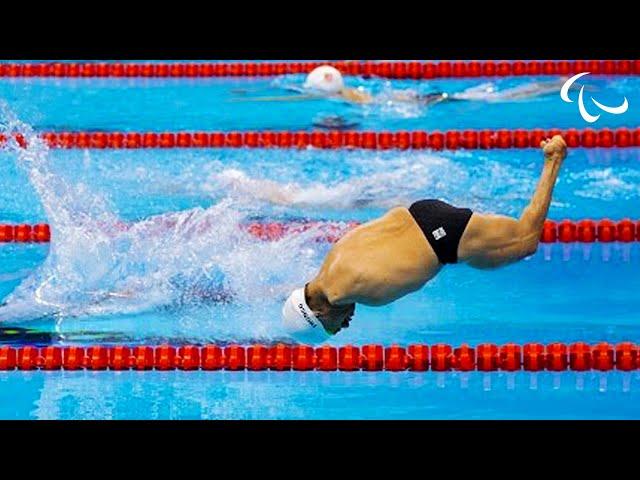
x: 279, y: 98
x: 356, y: 95
x: 352, y: 95
x: 493, y: 240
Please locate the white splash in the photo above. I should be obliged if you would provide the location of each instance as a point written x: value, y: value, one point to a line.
x: 98, y: 264
x: 607, y: 183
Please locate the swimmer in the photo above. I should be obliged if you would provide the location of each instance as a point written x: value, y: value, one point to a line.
x: 323, y: 82
x: 392, y: 256
x: 327, y: 82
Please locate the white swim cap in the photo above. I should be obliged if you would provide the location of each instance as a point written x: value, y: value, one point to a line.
x: 299, y: 320
x: 326, y: 79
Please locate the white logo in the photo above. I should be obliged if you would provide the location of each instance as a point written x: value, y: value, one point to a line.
x: 438, y: 233
x: 564, y: 94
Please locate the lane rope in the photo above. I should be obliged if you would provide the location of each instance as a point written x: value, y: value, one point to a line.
x: 565, y: 231
x: 485, y: 357
x: 398, y: 69
x: 370, y: 140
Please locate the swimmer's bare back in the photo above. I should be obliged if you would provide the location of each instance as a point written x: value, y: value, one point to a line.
x: 387, y: 258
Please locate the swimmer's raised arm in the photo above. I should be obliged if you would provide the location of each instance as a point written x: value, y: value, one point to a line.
x: 494, y: 240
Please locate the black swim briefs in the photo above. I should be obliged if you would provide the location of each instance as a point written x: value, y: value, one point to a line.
x: 443, y: 225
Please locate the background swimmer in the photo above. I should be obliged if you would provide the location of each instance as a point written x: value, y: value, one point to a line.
x: 323, y: 82
x: 327, y: 82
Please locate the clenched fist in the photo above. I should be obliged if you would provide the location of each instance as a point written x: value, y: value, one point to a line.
x: 555, y: 150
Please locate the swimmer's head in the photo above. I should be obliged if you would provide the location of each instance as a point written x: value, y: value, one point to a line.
x: 300, y: 321
x: 313, y: 326
x: 326, y: 79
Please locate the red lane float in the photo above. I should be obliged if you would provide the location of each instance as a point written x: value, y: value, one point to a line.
x: 372, y: 358
x: 464, y: 358
x: 396, y: 69
x: 566, y: 231
x: 332, y: 140
x: 588, y: 231
x: 25, y: 233
x: 142, y: 358
x: 580, y: 357
x: 303, y: 357
x: 418, y: 358
x: 395, y: 358
x: 73, y: 358
x: 533, y: 357
x: 441, y: 359
x: 8, y: 358
x: 486, y: 357
x: 510, y: 357
x: 120, y: 358
x: 280, y: 357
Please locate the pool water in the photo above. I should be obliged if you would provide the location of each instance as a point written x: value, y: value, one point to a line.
x: 185, y: 206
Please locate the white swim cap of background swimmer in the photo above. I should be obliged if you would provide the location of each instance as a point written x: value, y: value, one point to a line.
x: 299, y: 320
x: 326, y: 79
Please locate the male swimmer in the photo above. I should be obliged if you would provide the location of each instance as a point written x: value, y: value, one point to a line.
x: 390, y: 257
x: 327, y: 82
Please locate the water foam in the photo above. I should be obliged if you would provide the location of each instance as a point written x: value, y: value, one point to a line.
x: 375, y: 181
x: 97, y: 264
x: 607, y: 183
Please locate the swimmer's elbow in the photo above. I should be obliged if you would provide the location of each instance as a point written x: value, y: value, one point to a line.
x: 530, y: 248
x: 528, y: 238
x: 529, y: 245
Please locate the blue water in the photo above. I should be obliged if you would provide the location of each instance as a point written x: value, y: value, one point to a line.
x: 221, y: 104
x: 563, y: 293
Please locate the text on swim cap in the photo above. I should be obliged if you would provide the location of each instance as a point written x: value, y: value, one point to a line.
x: 306, y: 316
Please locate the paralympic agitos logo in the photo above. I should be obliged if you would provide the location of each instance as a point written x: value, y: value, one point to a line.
x: 564, y: 95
